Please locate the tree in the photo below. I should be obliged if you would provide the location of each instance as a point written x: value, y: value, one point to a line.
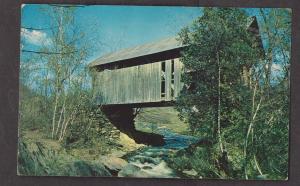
x: 218, y: 47
x: 72, y: 49
x: 60, y: 65
x: 233, y: 96
x: 269, y: 143
x: 276, y: 32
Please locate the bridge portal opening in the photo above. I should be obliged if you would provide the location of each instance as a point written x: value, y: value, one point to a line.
x: 172, y: 78
x: 163, y: 79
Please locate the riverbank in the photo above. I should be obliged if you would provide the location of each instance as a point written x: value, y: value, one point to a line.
x: 116, y: 154
x: 127, y: 159
x: 41, y: 156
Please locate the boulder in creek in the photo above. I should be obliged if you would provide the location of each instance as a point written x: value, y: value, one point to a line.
x: 145, y: 159
x: 146, y: 167
x: 114, y: 164
x: 82, y: 168
x: 131, y: 170
x: 190, y: 172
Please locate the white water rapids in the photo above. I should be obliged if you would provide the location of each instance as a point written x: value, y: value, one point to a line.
x: 150, y: 161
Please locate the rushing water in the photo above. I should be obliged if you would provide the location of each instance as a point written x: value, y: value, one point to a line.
x: 150, y: 161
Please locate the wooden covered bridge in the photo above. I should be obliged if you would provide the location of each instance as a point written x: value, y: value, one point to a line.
x: 143, y: 76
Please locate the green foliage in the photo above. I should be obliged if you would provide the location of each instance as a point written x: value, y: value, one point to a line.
x: 56, y: 100
x: 253, y: 111
x: 203, y: 160
x: 219, y: 38
x: 33, y: 112
x: 90, y: 126
x: 271, y: 139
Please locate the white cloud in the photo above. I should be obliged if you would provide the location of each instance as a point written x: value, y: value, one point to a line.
x: 35, y: 37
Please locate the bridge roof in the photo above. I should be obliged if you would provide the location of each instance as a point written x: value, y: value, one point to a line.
x: 138, y: 51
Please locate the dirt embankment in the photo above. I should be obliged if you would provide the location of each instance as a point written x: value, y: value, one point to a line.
x: 39, y: 155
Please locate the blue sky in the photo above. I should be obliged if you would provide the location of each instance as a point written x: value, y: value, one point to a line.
x: 116, y: 26
x: 113, y: 28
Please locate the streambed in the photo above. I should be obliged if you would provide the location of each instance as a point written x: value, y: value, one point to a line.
x: 151, y: 161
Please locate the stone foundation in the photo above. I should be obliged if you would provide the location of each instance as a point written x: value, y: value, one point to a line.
x: 122, y: 117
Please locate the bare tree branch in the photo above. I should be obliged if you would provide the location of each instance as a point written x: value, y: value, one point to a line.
x: 33, y: 28
x: 49, y: 53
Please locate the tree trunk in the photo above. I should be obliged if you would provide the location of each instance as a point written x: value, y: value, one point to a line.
x: 219, y: 104
x: 64, y: 129
x: 54, y: 115
x: 60, y: 117
x: 250, y: 127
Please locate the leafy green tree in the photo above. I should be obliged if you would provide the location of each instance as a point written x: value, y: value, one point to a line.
x: 219, y: 46
x: 232, y: 94
x: 58, y: 69
x: 276, y: 32
x: 216, y: 95
x: 269, y: 136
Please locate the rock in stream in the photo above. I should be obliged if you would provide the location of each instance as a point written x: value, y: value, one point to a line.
x: 150, y: 161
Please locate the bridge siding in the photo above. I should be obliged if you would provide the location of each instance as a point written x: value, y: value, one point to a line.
x: 136, y: 84
x: 177, y: 76
x: 168, y: 80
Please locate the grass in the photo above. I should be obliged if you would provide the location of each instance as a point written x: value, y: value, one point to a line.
x: 150, y: 119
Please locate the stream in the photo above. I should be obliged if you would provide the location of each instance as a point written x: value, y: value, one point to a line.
x: 151, y: 161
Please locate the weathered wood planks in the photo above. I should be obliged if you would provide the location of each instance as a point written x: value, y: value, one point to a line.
x: 137, y: 84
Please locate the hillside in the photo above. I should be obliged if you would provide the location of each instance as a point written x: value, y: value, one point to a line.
x: 151, y: 119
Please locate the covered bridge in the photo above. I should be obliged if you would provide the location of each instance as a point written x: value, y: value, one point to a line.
x: 146, y: 75
x: 142, y: 76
